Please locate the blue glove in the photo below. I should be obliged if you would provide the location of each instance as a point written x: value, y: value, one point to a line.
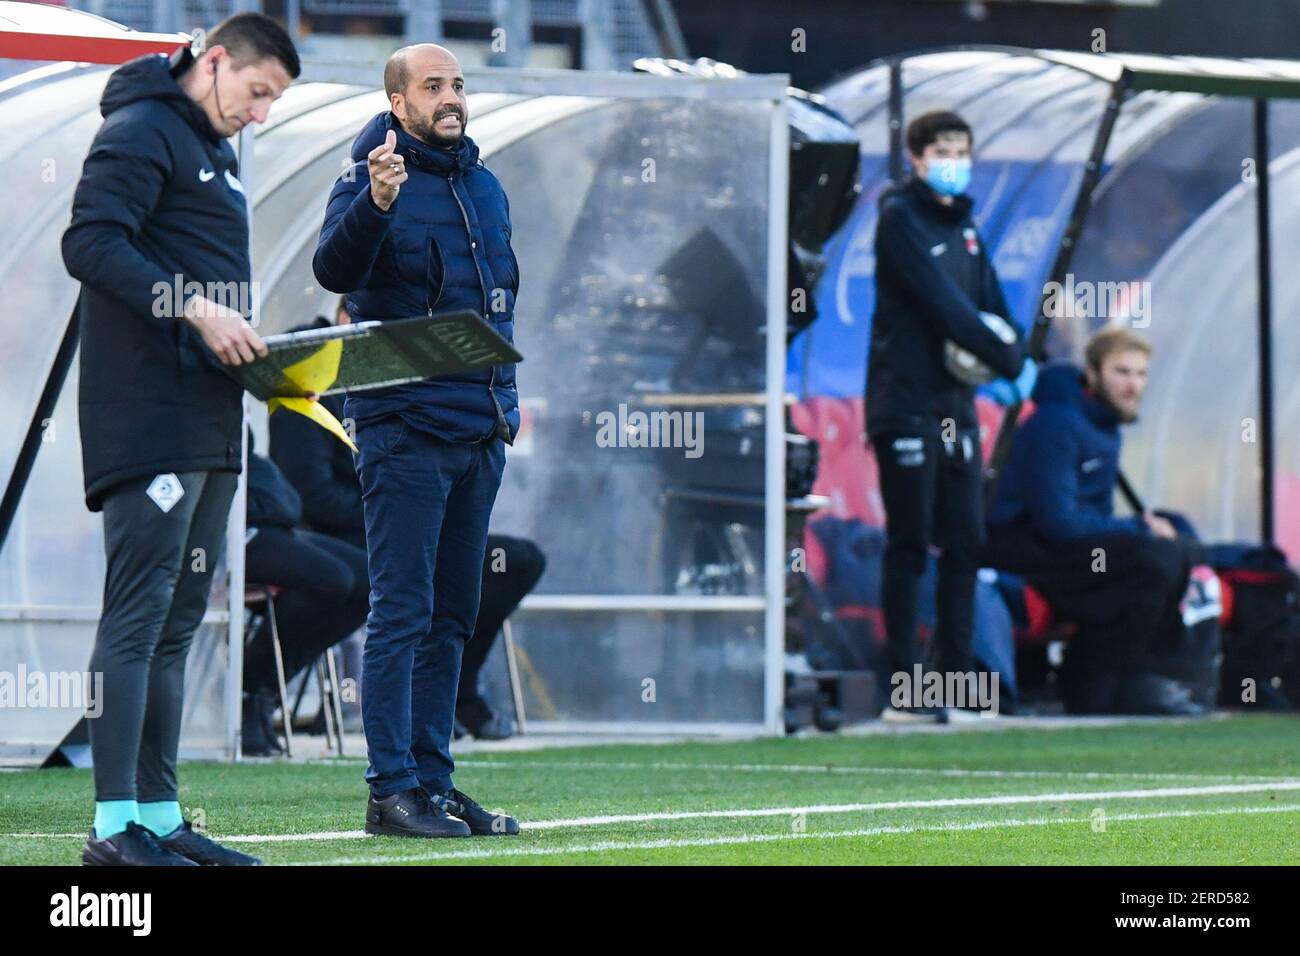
x: 1006, y: 392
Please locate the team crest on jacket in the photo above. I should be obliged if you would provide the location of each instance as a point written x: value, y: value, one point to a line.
x: 972, y: 241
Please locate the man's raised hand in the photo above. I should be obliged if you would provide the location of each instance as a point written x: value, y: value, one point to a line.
x: 387, y: 170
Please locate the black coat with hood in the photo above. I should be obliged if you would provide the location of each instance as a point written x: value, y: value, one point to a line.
x: 158, y: 204
x: 933, y: 278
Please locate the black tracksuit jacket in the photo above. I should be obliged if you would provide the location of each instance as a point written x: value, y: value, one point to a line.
x: 158, y: 198
x: 933, y: 277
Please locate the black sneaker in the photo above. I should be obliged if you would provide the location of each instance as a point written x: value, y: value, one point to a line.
x: 257, y: 735
x: 134, y: 846
x: 496, y: 727
x: 204, y: 852
x: 1157, y: 695
x: 411, y: 813
x: 481, y: 822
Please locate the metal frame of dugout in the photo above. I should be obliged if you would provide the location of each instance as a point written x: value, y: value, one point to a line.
x: 768, y: 90
x: 1126, y: 74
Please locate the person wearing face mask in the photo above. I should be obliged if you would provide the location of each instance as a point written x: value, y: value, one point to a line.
x: 939, y: 313
x: 1052, y: 520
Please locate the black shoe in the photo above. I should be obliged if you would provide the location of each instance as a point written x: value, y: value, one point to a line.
x: 1087, y: 694
x: 1156, y: 695
x: 495, y: 727
x: 252, y: 738
x: 268, y: 701
x: 412, y: 813
x: 204, y: 852
x: 481, y: 822
x: 257, y: 737
x: 472, y: 712
x: 317, y: 726
x: 134, y: 846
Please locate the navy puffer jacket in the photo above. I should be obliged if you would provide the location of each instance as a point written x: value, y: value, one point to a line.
x: 443, y: 246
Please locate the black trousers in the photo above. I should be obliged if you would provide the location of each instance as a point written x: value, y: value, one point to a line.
x: 932, y: 496
x: 1123, y: 590
x: 511, y: 568
x: 163, y: 536
x: 326, y: 597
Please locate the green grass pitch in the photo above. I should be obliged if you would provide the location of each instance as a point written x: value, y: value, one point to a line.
x: 1219, y: 791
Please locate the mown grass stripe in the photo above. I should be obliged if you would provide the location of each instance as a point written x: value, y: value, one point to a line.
x: 606, y: 846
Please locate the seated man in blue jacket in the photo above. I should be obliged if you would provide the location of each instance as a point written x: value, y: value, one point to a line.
x: 1053, y: 521
x: 419, y: 224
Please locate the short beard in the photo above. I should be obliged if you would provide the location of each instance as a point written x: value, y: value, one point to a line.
x: 1125, y: 418
x: 426, y: 131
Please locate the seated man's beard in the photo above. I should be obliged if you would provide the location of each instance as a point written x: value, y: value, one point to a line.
x: 1121, y: 413
x: 423, y: 128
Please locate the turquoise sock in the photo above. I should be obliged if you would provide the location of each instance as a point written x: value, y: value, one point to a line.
x: 161, y: 817
x: 112, y: 816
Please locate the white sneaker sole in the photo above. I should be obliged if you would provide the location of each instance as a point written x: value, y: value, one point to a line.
x: 891, y: 715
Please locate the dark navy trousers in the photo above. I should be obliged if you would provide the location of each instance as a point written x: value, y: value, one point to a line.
x: 427, y: 504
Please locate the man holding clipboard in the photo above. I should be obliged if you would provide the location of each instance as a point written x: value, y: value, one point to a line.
x: 419, y: 225
x: 159, y: 206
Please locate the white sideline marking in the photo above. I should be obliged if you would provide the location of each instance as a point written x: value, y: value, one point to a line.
x: 834, y: 768
x: 745, y: 813
x: 994, y: 801
x: 740, y: 839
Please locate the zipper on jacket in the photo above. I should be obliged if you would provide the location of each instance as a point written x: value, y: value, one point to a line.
x: 469, y: 234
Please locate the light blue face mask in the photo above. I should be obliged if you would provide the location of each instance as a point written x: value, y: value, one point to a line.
x: 949, y: 177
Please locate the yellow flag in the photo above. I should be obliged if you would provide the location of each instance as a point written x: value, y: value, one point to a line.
x: 316, y: 373
x: 317, y: 413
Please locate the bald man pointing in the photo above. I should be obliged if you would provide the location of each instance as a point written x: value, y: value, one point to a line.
x: 417, y: 225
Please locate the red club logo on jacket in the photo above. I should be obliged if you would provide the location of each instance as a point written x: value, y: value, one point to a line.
x: 972, y: 241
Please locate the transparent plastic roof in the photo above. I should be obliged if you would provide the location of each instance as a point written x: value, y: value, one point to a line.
x: 60, y: 21
x: 1195, y: 74
x: 1173, y: 212
x: 638, y: 291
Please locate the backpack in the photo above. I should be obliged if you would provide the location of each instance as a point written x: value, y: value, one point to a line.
x: 1261, y: 667
x: 1193, y: 653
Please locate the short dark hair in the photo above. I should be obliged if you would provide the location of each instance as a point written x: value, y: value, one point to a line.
x: 397, y: 72
x: 928, y: 127
x: 254, y: 37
